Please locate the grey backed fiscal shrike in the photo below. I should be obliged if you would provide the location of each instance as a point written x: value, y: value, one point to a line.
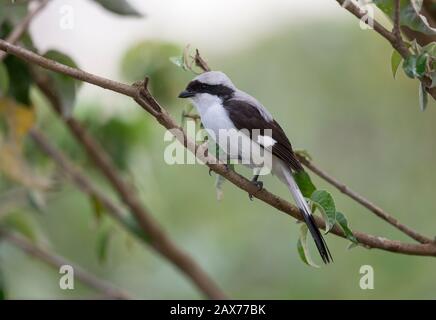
x: 223, y: 107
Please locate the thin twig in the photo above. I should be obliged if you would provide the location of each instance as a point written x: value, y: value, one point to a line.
x: 56, y: 261
x: 389, y: 36
x: 364, y: 202
x: 156, y: 238
x: 168, y: 122
x: 22, y: 27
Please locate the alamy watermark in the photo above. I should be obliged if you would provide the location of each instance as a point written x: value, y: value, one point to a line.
x: 252, y: 148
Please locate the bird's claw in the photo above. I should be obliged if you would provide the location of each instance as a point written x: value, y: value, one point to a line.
x: 259, y: 185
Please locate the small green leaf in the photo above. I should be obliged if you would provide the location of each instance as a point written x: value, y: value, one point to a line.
x: 396, y: 59
x: 121, y: 7
x: 326, y: 205
x: 433, y: 79
x: 4, y: 80
x: 37, y: 201
x: 303, y: 250
x: 130, y: 222
x: 219, y: 182
x: 430, y: 49
x: 409, y: 14
x: 409, y: 66
x: 343, y: 223
x: 22, y: 224
x: 421, y: 64
x: 179, y: 61
x: 19, y: 75
x: 423, y: 97
x: 219, y: 187
x: 304, y: 183
x: 97, y: 207
x: 103, y: 237
x: 351, y: 245
x: 64, y: 85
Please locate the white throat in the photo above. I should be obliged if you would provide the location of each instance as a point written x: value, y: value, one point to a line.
x: 204, y: 101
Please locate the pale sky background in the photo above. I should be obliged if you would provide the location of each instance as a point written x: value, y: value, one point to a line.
x: 99, y: 38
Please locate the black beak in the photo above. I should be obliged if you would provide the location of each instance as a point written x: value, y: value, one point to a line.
x: 186, y: 94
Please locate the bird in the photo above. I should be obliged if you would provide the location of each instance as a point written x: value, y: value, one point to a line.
x: 223, y: 108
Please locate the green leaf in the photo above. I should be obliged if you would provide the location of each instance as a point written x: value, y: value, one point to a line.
x: 409, y: 14
x: 37, y: 201
x: 219, y: 181
x: 303, y: 250
x: 409, y: 66
x: 103, y: 238
x: 121, y: 7
x: 19, y: 75
x: 421, y: 64
x: 343, y: 223
x: 130, y: 222
x: 4, y: 80
x: 97, y: 207
x: 304, y: 183
x: 423, y: 97
x: 396, y: 59
x: 415, y: 65
x: 22, y: 224
x: 64, y: 85
x: 323, y: 201
x: 432, y: 75
x: 178, y: 61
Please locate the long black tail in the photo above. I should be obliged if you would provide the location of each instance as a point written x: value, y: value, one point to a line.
x: 321, y: 245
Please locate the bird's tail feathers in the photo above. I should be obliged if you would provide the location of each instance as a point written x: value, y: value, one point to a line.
x: 308, y: 217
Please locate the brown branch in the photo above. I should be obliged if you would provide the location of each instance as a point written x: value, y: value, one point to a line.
x: 168, y: 122
x: 200, y: 62
x: 22, y: 27
x: 364, y: 202
x: 56, y: 261
x: 396, y: 42
x: 152, y: 235
x: 158, y: 239
x: 359, y: 13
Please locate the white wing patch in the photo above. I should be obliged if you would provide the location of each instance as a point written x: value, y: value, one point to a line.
x: 266, y: 141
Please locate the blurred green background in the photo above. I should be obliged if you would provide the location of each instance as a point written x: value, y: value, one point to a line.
x: 331, y: 88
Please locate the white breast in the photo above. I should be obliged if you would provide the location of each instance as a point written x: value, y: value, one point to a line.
x: 216, y: 121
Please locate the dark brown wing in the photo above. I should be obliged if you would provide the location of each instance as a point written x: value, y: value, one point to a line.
x: 246, y: 116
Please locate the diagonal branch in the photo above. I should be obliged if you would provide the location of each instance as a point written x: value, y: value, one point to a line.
x: 155, y: 237
x: 57, y: 261
x: 163, y: 117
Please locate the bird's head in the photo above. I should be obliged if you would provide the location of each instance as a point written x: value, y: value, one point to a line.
x: 213, y: 83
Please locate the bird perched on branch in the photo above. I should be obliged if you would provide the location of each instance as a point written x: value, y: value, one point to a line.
x: 246, y: 131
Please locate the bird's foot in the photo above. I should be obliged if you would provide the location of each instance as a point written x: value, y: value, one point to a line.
x: 258, y: 184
